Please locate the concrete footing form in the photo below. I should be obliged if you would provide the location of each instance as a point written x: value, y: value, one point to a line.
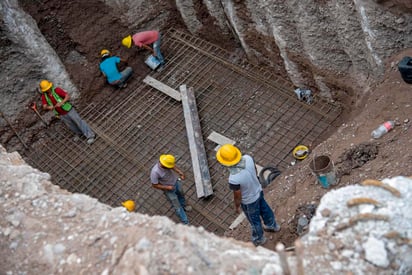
x: 240, y: 101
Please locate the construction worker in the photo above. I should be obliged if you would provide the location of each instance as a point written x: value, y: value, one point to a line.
x: 57, y: 100
x: 108, y: 66
x: 247, y: 191
x: 164, y: 177
x: 149, y: 40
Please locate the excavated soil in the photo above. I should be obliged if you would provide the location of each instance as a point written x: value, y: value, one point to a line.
x: 86, y: 27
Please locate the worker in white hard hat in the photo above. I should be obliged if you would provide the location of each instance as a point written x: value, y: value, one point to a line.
x: 164, y: 176
x: 108, y: 66
x: 247, y: 192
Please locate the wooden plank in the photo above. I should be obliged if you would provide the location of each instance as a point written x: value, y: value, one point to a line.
x: 219, y: 139
x: 197, y: 148
x: 162, y: 87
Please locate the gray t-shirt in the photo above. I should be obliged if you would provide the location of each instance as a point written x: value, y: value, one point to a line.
x: 244, y: 175
x: 162, y: 175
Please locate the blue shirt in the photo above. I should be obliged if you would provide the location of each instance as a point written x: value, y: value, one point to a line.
x: 109, y: 68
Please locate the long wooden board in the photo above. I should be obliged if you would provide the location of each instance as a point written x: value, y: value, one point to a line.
x: 197, y: 148
x: 162, y: 87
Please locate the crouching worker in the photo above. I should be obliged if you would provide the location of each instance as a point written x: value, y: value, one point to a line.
x: 108, y: 66
x: 57, y: 100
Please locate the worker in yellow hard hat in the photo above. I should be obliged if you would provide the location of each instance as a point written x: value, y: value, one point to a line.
x: 109, y: 68
x: 164, y: 176
x: 149, y: 40
x: 57, y: 100
x: 129, y: 205
x: 247, y: 191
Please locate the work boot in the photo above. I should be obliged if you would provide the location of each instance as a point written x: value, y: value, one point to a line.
x: 262, y: 241
x: 271, y: 229
x: 90, y: 141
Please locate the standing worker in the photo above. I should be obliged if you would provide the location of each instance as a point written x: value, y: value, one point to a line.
x: 108, y: 66
x: 247, y: 191
x: 163, y: 177
x: 56, y: 99
x: 150, y: 40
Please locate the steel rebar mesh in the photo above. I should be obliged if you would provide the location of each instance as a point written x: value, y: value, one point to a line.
x: 241, y: 101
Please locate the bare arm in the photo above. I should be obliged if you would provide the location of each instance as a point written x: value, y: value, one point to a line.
x: 149, y: 48
x: 163, y: 187
x: 47, y: 107
x: 179, y: 172
x: 65, y: 99
x: 237, y: 198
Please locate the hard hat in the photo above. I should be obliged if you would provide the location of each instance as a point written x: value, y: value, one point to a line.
x: 167, y: 161
x: 228, y: 155
x: 300, y: 152
x: 104, y: 52
x: 127, y: 41
x: 45, y: 85
x: 129, y: 205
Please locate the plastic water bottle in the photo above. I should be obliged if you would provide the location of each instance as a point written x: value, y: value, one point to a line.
x: 383, y: 129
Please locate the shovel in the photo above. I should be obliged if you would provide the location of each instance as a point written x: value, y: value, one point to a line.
x: 33, y: 106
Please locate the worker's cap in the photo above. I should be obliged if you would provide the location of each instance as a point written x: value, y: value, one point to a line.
x: 129, y: 205
x: 127, y: 41
x: 45, y: 85
x: 228, y: 155
x: 167, y: 161
x: 104, y: 53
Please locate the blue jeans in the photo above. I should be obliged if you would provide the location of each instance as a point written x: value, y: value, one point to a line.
x: 177, y: 199
x: 156, y: 48
x: 253, y: 212
x: 126, y: 74
x: 76, y: 124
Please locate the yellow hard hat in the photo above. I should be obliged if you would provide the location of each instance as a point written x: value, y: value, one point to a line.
x: 228, y: 155
x: 167, y: 161
x: 45, y: 85
x: 104, y: 52
x: 300, y: 152
x: 127, y: 41
x: 129, y: 205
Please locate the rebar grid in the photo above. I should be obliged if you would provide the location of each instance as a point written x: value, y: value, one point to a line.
x: 240, y: 101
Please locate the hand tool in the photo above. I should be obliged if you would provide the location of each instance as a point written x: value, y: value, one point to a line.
x: 33, y: 106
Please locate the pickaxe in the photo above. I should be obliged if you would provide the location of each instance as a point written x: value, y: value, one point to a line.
x: 33, y: 106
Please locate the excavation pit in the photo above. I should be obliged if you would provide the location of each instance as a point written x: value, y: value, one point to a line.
x: 242, y: 102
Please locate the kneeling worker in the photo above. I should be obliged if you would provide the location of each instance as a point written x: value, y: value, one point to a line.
x: 108, y: 66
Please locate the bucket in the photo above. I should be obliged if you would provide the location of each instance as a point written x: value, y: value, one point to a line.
x: 405, y: 68
x: 152, y: 62
x: 324, y: 170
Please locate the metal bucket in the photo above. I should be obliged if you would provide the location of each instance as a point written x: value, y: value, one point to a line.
x: 324, y: 170
x: 152, y: 62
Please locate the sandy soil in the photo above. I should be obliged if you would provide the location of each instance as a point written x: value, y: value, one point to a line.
x: 355, y: 155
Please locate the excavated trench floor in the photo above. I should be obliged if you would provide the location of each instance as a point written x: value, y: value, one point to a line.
x: 242, y: 102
